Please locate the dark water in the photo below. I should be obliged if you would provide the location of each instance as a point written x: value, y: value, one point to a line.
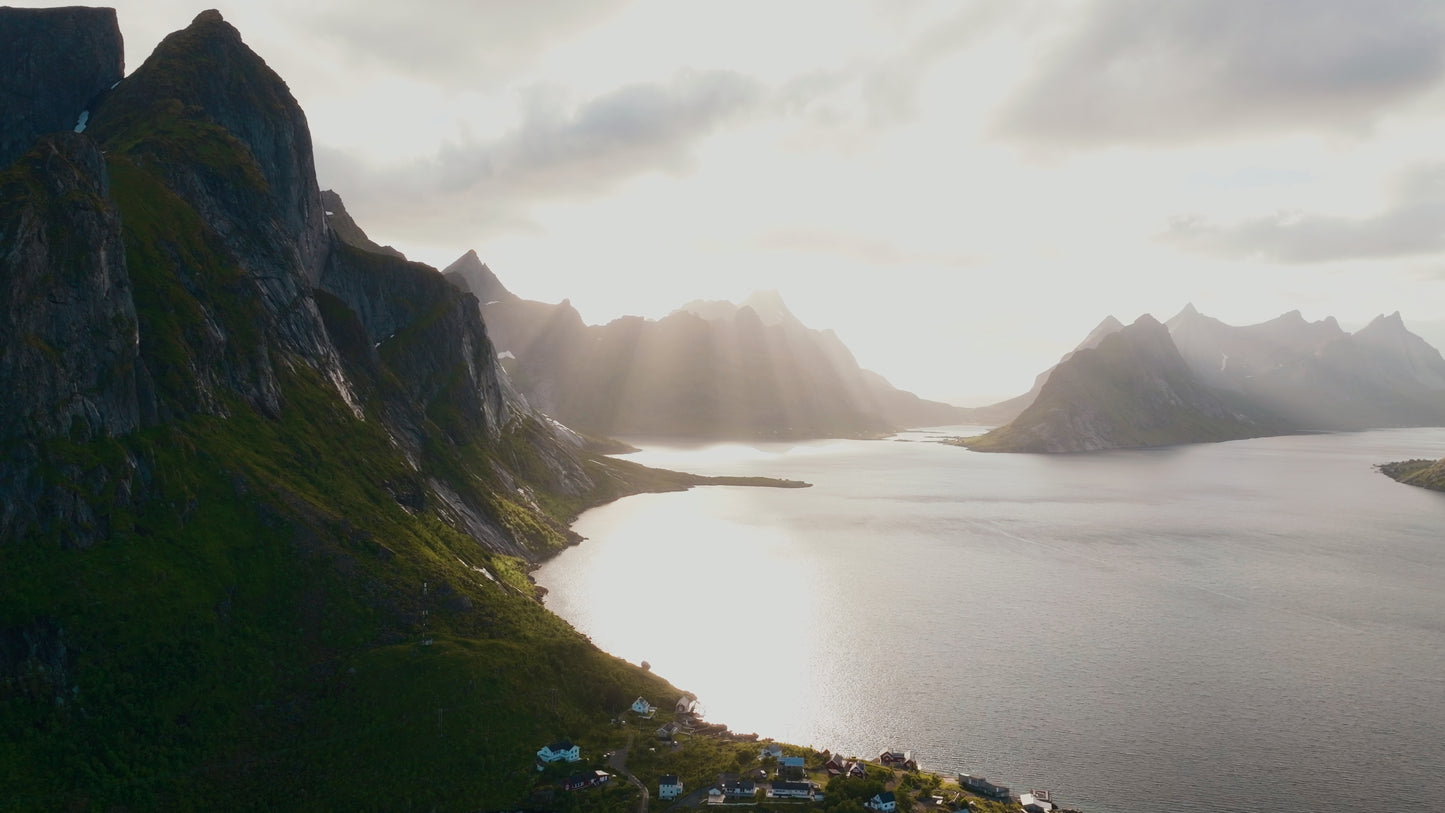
x: 1248, y: 626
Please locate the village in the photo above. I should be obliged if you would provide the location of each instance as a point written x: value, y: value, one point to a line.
x: 674, y: 766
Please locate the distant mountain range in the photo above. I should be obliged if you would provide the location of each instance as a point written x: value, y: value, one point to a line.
x: 707, y: 370
x: 1196, y: 379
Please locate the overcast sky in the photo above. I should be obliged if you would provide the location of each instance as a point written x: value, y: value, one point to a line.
x: 960, y: 189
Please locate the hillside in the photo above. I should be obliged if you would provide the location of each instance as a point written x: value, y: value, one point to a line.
x: 1424, y: 473
x: 1132, y: 390
x: 267, y: 502
x: 707, y: 370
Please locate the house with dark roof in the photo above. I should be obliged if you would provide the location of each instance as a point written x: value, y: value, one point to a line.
x: 739, y: 788
x: 898, y: 759
x: 669, y: 786
x: 983, y: 787
x: 790, y: 790
x: 790, y: 767
x: 884, y: 802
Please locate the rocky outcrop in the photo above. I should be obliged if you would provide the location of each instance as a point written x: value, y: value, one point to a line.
x: 67, y: 319
x: 344, y: 227
x: 68, y: 331
x: 429, y: 334
x: 53, y: 65
x: 1132, y: 390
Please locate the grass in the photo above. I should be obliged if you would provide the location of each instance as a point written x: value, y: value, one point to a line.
x: 1424, y: 473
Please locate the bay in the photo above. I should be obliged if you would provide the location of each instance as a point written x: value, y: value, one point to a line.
x: 1247, y: 626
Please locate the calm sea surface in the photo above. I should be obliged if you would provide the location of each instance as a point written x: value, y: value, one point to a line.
x: 1246, y: 626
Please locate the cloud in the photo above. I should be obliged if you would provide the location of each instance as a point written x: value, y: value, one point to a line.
x: 1414, y: 224
x: 881, y: 89
x: 1144, y: 71
x: 469, y: 43
x: 557, y: 151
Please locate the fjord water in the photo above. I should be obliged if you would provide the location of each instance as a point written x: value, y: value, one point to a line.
x: 1247, y: 626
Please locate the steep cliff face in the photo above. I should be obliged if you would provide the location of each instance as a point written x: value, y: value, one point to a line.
x: 69, y: 328
x: 69, y: 340
x: 1132, y: 390
x: 53, y: 65
x: 430, y: 334
x: 205, y: 72
x: 207, y: 120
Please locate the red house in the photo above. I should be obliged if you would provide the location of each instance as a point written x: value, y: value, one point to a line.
x: 578, y: 781
x: 898, y: 759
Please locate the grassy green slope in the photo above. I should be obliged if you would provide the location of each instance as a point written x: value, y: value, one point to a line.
x: 257, y: 631
x: 267, y: 625
x: 1424, y: 473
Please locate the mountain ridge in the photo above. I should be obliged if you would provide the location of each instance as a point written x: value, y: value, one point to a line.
x: 1280, y: 376
x: 734, y: 372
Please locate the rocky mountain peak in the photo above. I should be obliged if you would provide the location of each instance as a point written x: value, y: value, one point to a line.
x: 206, y: 72
x: 770, y: 307
x: 470, y: 274
x: 1393, y: 322
x: 346, y: 228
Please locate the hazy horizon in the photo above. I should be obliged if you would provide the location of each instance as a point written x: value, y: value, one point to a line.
x: 960, y: 192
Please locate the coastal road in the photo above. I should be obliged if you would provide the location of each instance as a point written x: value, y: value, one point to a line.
x: 618, y: 762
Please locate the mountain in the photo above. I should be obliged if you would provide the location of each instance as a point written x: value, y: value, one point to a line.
x: 1280, y: 376
x: 1005, y: 411
x: 267, y: 501
x: 707, y: 370
x: 1315, y: 376
x: 1401, y: 355
x: 1132, y: 390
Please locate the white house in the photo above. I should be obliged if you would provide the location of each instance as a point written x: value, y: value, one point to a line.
x: 1036, y: 802
x: 772, y: 749
x: 669, y: 786
x: 790, y: 790
x: 884, y: 802
x: 641, y: 706
x: 686, y: 705
x: 562, y: 750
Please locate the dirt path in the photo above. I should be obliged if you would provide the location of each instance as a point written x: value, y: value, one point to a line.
x: 618, y: 762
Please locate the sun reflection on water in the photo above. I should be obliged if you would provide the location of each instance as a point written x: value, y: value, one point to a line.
x: 722, y: 601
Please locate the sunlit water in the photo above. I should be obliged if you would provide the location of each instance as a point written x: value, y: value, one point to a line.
x: 1248, y: 626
